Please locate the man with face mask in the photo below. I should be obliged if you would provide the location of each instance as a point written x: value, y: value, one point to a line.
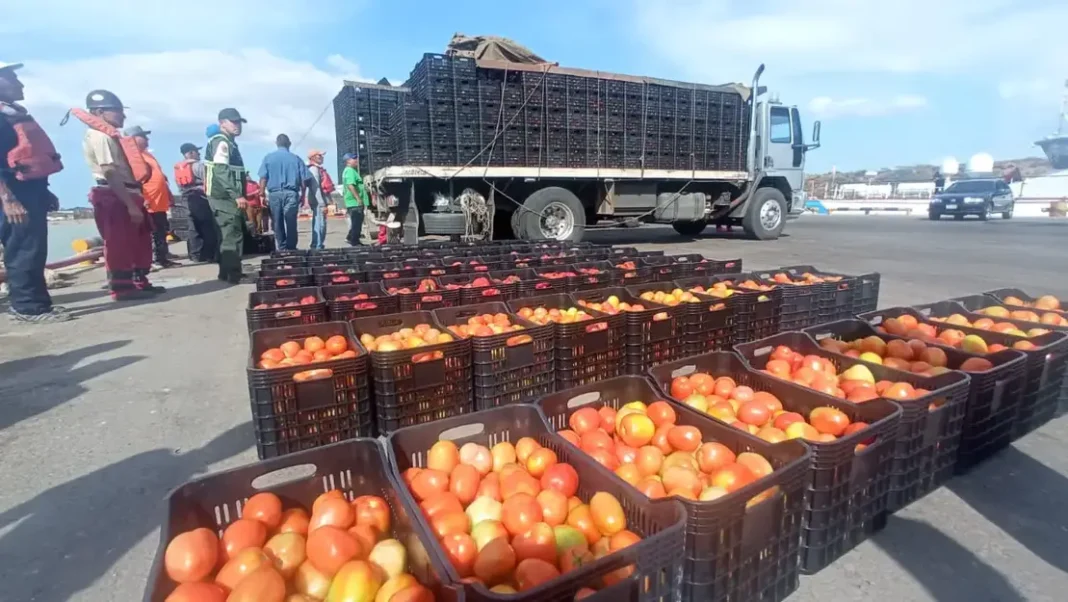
x: 158, y: 200
x: 224, y: 183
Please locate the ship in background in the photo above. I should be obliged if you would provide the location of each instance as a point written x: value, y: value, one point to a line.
x: 1053, y: 186
x: 1056, y: 145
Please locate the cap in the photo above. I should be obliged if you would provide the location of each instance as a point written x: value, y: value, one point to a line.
x: 135, y: 130
x: 188, y: 147
x: 231, y: 115
x: 10, y: 66
x: 102, y: 99
x: 313, y: 152
x: 348, y: 157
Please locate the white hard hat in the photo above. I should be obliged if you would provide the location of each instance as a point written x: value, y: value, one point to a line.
x: 10, y: 66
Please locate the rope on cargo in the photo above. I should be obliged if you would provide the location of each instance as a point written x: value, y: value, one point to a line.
x: 314, y: 123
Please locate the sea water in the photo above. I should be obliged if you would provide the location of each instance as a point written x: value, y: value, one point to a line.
x: 62, y: 233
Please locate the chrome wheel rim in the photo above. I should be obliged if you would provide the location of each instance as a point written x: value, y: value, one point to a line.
x: 557, y: 221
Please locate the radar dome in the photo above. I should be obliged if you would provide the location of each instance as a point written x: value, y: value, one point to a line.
x: 950, y: 166
x: 981, y: 163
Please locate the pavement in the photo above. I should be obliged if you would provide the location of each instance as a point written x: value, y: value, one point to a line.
x: 102, y: 416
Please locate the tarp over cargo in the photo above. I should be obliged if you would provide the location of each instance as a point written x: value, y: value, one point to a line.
x: 494, y: 48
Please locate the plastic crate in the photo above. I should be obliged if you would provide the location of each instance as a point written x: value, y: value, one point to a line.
x: 1045, y: 370
x: 281, y: 253
x: 840, y: 297
x: 343, y: 311
x: 664, y: 268
x: 283, y: 263
x: 649, y: 341
x: 424, y: 301
x: 529, y: 283
x: 357, y: 467
x: 584, y: 354
x: 273, y: 280
x: 704, y: 326
x: 729, y: 552
x: 290, y: 416
x: 628, y: 275
x: 993, y: 395
x: 590, y: 279
x: 757, y: 314
x: 846, y: 491
x: 408, y: 392
x: 1003, y: 293
x: 927, y: 441
x: 657, y: 558
x: 311, y: 313
x: 470, y: 295
x: 563, y: 277
x: 334, y: 275
x: 391, y: 270
x: 506, y: 374
x: 803, y: 305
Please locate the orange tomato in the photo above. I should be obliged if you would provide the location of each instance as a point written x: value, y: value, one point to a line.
x: 649, y: 460
x: 520, y: 512
x: 830, y: 421
x: 443, y: 456
x: 661, y: 412
x: 570, y: 436
x: 651, y: 488
x: 330, y: 547
x: 429, y: 483
x: 273, y: 355
x: 464, y: 482
x: 532, y: 572
x: 243, y: 564
x: 197, y: 592
x: 622, y: 540
x: 366, y: 535
x: 461, y: 551
x: 294, y: 520
x: 191, y: 556
x: 713, y: 456
x: 243, y: 533
x: 490, y: 487
x: 337, y: 344
x: 608, y: 419
x: 539, y: 461
x: 684, y: 438
x: 553, y: 506
x: 538, y: 542
x: 334, y: 512
x: 449, y: 523
x: 607, y: 513
x: 516, y: 482
x: 264, y: 507
x: 414, y: 593
x: 584, y: 420
x: 374, y: 511
x: 263, y: 585
x: 524, y: 447
x: 286, y: 551
x: 581, y: 519
x: 290, y: 349
x: 333, y: 493
x: 313, y: 344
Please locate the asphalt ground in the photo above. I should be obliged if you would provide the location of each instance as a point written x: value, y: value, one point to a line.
x: 101, y: 417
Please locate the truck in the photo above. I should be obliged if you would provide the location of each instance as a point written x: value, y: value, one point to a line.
x: 542, y: 202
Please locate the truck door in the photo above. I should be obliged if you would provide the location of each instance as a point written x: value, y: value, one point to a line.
x: 785, y: 146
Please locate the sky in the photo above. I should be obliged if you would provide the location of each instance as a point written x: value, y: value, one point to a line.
x: 894, y: 83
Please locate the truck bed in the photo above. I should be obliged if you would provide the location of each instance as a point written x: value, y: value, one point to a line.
x: 444, y: 172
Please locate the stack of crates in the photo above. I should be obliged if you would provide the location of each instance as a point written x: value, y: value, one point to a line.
x: 362, y: 120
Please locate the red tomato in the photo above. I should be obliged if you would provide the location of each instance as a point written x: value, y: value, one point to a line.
x: 461, y: 551
x: 334, y: 512
x: 264, y: 507
x: 561, y: 477
x: 830, y: 421
x: 374, y: 511
x: 519, y: 482
x: 429, y: 483
x: 265, y: 584
x: 553, y: 506
x: 490, y: 487
x: 464, y: 482
x: 495, y: 562
x: 584, y: 420
x: 571, y: 437
x: 450, y: 523
x: 197, y: 592
x: 684, y: 438
x: 661, y: 412
x: 596, y: 440
x: 626, y: 454
x: 243, y: 533
x: 608, y: 419
x: 681, y: 389
x: 532, y: 572
x: 445, y: 503
x: 538, y: 542
x: 520, y: 512
x: 329, y: 548
x: 367, y: 535
x: 295, y: 520
x: 192, y: 555
x: 605, y: 458
x: 713, y: 456
x: 243, y: 564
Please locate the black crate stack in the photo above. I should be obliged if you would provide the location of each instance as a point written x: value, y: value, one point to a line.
x: 362, y: 114
x: 458, y: 113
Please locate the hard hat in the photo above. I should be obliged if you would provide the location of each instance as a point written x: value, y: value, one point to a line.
x: 102, y: 99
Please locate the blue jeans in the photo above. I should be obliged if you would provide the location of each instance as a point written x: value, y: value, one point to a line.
x: 318, y: 234
x: 25, y: 254
x: 284, y: 206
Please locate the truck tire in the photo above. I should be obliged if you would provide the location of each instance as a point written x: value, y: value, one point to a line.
x: 765, y: 216
x: 553, y: 213
x: 517, y: 229
x: 690, y: 228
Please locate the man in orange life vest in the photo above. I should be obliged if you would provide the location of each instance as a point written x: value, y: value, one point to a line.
x: 27, y: 158
x: 203, y: 240
x: 158, y: 200
x: 119, y: 170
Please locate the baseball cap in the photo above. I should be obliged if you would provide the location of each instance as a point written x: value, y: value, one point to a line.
x: 348, y: 157
x: 231, y: 114
x: 135, y: 130
x: 188, y: 147
x: 313, y: 152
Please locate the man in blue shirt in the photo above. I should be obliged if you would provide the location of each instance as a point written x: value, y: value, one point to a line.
x: 284, y: 176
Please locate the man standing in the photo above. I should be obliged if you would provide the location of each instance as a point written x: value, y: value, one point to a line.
x: 203, y: 243
x: 224, y: 181
x: 118, y: 170
x: 158, y: 200
x: 27, y: 158
x: 356, y: 199
x: 319, y: 190
x: 283, y: 177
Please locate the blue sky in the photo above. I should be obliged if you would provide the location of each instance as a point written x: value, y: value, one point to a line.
x: 894, y: 82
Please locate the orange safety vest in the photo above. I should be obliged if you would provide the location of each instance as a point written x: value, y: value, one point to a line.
x: 183, y: 173
x: 155, y: 190
x: 138, y: 166
x: 34, y: 157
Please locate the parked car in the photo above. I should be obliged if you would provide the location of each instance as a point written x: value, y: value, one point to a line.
x: 979, y: 197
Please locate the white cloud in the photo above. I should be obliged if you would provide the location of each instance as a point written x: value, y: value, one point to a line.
x: 1042, y: 90
x: 828, y: 107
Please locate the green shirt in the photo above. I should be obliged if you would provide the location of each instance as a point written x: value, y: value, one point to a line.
x: 352, y: 177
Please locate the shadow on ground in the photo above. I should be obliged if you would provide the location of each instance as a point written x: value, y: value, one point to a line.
x: 172, y: 294
x: 1024, y: 498
x: 946, y: 569
x: 66, y: 538
x: 34, y: 385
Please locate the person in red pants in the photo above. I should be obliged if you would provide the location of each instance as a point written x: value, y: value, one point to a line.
x: 118, y: 170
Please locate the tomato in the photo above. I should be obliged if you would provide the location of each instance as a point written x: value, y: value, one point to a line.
x: 286, y: 551
x: 636, y: 429
x: 539, y: 461
x: 429, y: 483
x: 294, y: 520
x: 724, y: 387
x: 334, y: 512
x: 495, y: 562
x: 520, y: 512
x: 393, y: 586
x: 831, y: 421
x: 553, y: 506
x: 742, y: 394
x: 460, y: 550
x: 732, y: 477
x: 478, y: 456
x: 532, y: 572
x: 310, y: 581
x: 313, y: 344
x: 414, y: 593
x: 503, y: 453
x: 661, y: 412
x: 584, y: 420
x: 756, y: 463
x: 570, y: 436
x: 243, y: 533
x: 770, y: 401
x: 518, y: 482
x: 337, y: 344
x: 651, y: 488
x: 197, y: 592
x: 409, y: 475
x: 684, y: 438
x: 449, y: 523
x: 605, y: 458
x: 374, y: 511
x: 263, y: 585
x: 524, y: 447
x: 490, y: 487
x: 584, y: 593
x: 291, y: 348
x: 332, y: 494
x: 623, y: 539
x: 192, y: 555
x: 464, y: 482
x: 356, y: 581
x: 443, y: 456
x: 679, y: 478
x: 649, y: 460
x: 538, y: 542
x: 575, y: 557
x: 681, y: 388
x: 754, y: 412
x: 608, y: 419
x: 660, y: 440
x: 713, y: 456
x: 330, y: 547
x: 596, y: 440
x: 240, y: 566
x: 607, y: 513
x: 264, y: 507
x: 618, y: 575
x: 445, y: 503
x: 581, y: 519
x: 629, y: 473
x: 366, y: 535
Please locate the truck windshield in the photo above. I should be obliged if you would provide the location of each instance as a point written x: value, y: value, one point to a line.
x: 972, y: 186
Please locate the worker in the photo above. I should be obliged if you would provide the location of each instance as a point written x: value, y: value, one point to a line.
x: 157, y: 193
x: 356, y: 199
x: 283, y: 177
x: 318, y: 198
x: 118, y: 170
x: 27, y: 159
x: 203, y: 239
x: 939, y: 181
x: 254, y: 211
x: 224, y: 182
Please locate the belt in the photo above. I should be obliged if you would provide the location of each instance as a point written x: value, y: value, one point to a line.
x: 269, y: 191
x: 136, y: 187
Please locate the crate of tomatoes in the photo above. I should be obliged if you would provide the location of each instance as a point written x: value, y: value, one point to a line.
x: 705, y: 323
x: 345, y: 302
x: 271, y: 280
x: 308, y: 386
x: 756, y: 308
x: 421, y: 371
x: 517, y: 510
x: 323, y: 524
x: 848, y: 485
x: 421, y: 294
x: 337, y: 274
x: 479, y: 288
x: 652, y: 329
x: 288, y: 307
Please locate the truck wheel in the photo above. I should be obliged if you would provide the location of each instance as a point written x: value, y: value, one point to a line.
x: 517, y: 229
x: 765, y: 216
x: 553, y: 213
x: 691, y: 228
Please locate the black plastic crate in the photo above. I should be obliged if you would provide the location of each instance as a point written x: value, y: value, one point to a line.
x: 471, y: 294
x: 929, y: 433
x: 631, y: 270
x: 1002, y: 294
x: 336, y: 274
x: 529, y: 283
x: 847, y: 489
x: 283, y: 263
x: 586, y: 351
x: 839, y: 300
x: 656, y: 559
x: 423, y: 384
x: 273, y: 280
x: 295, y: 307
x: 291, y: 414
x: 1046, y: 367
x: 652, y: 333
x: 356, y: 468
x: 410, y: 298
x: 757, y: 314
x: 705, y: 323
x: 563, y: 277
x: 376, y: 303
x: 664, y: 268
x: 993, y: 394
x: 286, y: 253
x: 804, y: 304
x: 512, y: 367
x: 594, y: 274
x: 730, y: 552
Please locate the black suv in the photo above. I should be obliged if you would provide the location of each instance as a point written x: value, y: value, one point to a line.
x: 983, y: 198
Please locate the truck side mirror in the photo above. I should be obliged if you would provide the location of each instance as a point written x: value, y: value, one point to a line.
x: 816, y: 132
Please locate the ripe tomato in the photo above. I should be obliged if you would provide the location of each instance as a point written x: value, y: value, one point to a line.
x: 287, y: 552
x: 337, y: 344
x: 575, y: 557
x: 597, y: 439
x: 553, y: 506
x: 661, y: 412
x: 607, y: 513
x: 429, y: 483
x: 651, y: 488
x: 329, y: 548
x: 490, y: 487
x: 460, y: 550
x: 681, y: 388
x: 680, y: 478
x: 367, y: 535
x: 495, y: 562
x: 626, y: 454
x: 443, y: 456
x: 313, y: 344
x: 754, y: 412
x: 192, y: 555
x: 333, y: 493
x: 684, y: 438
x: 636, y: 429
x: 532, y: 572
x: 538, y: 542
x: 449, y: 523
x: 374, y: 511
x: 713, y: 456
x: 724, y: 387
x: 756, y: 463
x: 524, y: 447
x: 649, y: 460
x: 294, y: 520
x: 197, y: 592
x: 263, y: 585
x: 540, y: 461
x: 520, y: 512
x: 503, y: 453
x: 311, y: 582
x: 581, y: 518
x: 240, y: 566
x: 464, y: 482
x: 660, y: 440
x: 605, y: 458
x: 264, y: 507
x: 732, y: 477
x: 243, y: 533
x: 478, y: 456
x: 519, y: 482
x: 334, y: 512
x: 584, y: 420
x: 623, y: 539
x: 629, y: 473
x: 830, y: 421
x: 608, y: 419
x: 444, y: 503
x: 770, y: 401
x: 290, y: 348
x: 569, y: 435
x: 584, y: 593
